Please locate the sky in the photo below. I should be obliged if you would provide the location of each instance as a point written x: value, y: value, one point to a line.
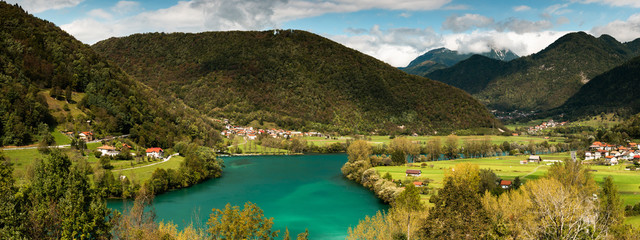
x: 394, y: 31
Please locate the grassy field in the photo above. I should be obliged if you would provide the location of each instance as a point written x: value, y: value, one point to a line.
x: 250, y: 147
x: 609, y: 120
x: 495, y: 139
x: 509, y: 167
x: 143, y: 174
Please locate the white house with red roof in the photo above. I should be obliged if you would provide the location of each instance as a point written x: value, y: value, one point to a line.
x: 155, y: 152
x: 108, y: 150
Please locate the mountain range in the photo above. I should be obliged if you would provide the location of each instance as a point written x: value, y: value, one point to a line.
x: 617, y: 90
x: 541, y: 81
x: 443, y: 58
x: 295, y: 79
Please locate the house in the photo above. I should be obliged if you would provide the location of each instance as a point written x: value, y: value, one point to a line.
x: 534, y: 158
x: 589, y: 155
x: 613, y: 160
x: 415, y: 173
x: 155, y: 152
x: 251, y: 136
x: 108, y: 150
x: 86, y: 136
x: 124, y: 145
x: 505, y: 184
x: 418, y: 184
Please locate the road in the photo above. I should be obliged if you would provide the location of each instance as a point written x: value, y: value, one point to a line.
x: 62, y: 146
x: 165, y: 160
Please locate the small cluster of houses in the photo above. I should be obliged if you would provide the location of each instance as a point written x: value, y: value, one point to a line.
x: 545, y: 125
x: 612, y: 154
x: 84, y: 136
x: 251, y: 134
x: 112, y: 151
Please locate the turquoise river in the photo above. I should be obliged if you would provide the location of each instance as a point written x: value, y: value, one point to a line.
x: 305, y: 191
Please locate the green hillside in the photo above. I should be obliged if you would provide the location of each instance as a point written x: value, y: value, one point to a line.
x: 40, y: 61
x: 543, y: 80
x: 296, y: 79
x: 616, y: 91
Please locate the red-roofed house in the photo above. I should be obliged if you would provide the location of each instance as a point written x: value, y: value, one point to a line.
x: 108, y: 150
x: 415, y: 173
x: 612, y: 159
x: 417, y: 184
x: 155, y: 152
x: 505, y: 184
x: 86, y: 136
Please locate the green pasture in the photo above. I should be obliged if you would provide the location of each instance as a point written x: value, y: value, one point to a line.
x: 495, y: 139
x: 251, y: 147
x: 509, y: 167
x: 142, y: 173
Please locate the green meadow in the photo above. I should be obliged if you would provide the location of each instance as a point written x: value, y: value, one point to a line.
x: 509, y: 167
x: 495, y: 139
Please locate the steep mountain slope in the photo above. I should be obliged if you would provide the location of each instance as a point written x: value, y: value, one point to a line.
x: 544, y: 80
x: 38, y: 57
x: 616, y: 90
x: 442, y: 58
x: 294, y: 78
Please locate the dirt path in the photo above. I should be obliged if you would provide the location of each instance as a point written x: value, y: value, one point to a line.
x: 165, y: 160
x: 532, y: 172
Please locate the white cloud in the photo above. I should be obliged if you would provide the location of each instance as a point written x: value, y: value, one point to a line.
x: 123, y: 7
x: 37, y: 6
x: 457, y: 7
x: 296, y: 9
x: 523, y: 26
x: 396, y: 46
x: 521, y: 8
x: 558, y: 9
x: 615, y: 3
x: 466, y: 22
x: 522, y: 44
x: 400, y: 46
x: 99, y: 13
x: 621, y: 30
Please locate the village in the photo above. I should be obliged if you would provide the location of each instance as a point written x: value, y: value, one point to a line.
x: 113, y: 151
x: 612, y: 154
x: 250, y: 133
x: 545, y: 125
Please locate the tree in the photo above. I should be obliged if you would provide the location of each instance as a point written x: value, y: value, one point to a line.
x: 450, y: 148
x: 304, y: 235
x: 62, y: 204
x: 611, y: 208
x: 11, y: 215
x: 457, y: 212
x: 434, y: 149
x: 573, y: 173
x: 405, y: 147
x: 67, y: 93
x: 409, y: 206
x: 233, y: 223
x: 359, y: 153
x: 488, y: 182
x: 359, y: 150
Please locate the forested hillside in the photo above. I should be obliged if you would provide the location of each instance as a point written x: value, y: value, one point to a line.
x: 295, y: 79
x: 543, y: 80
x: 442, y: 58
x: 615, y: 91
x: 38, y: 58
